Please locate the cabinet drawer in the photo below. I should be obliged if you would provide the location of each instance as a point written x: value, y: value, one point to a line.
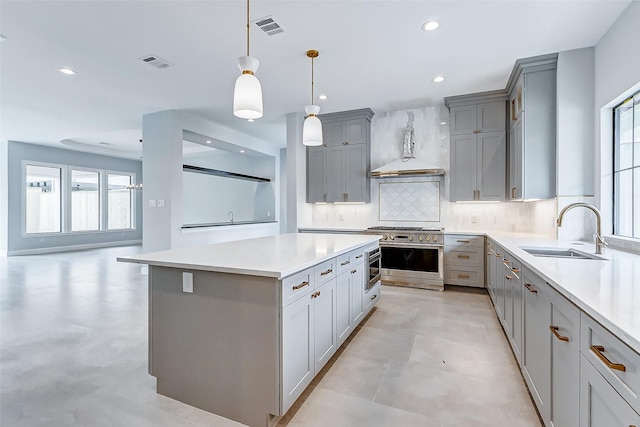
x: 372, y: 297
x: 456, y: 275
x: 457, y: 240
x: 472, y: 257
x: 349, y: 260
x: 324, y: 272
x: 616, y: 361
x: 296, y: 286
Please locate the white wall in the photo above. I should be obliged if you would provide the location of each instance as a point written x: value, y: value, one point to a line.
x: 617, y: 75
x: 4, y: 197
x: 162, y: 171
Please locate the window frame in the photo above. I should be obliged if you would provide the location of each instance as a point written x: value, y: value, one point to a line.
x: 23, y: 196
x: 132, y: 195
x: 100, y: 174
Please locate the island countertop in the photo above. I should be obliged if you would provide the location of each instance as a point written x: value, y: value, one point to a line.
x: 276, y: 256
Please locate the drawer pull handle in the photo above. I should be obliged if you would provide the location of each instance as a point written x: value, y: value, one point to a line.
x: 463, y: 241
x: 358, y: 256
x: 554, y: 329
x: 530, y: 288
x: 315, y: 294
x: 598, y: 349
x: 354, y: 270
x: 463, y: 276
x: 374, y: 297
x: 508, y: 277
x: 515, y: 269
x: 463, y: 256
x: 300, y: 286
x: 498, y: 255
x: 324, y: 273
x: 345, y: 263
x: 505, y: 260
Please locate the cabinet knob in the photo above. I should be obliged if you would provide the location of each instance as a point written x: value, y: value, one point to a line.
x: 354, y: 270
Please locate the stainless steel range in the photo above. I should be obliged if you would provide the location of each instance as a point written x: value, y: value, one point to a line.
x: 412, y: 256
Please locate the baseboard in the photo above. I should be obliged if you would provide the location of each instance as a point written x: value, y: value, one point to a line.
x: 54, y: 249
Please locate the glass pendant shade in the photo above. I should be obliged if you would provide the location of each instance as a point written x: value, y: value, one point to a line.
x: 247, y: 95
x: 312, y: 128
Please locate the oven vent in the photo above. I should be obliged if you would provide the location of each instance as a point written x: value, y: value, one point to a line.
x: 269, y: 25
x: 155, y: 61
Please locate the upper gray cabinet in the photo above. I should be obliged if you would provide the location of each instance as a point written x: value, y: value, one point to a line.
x: 532, y: 135
x: 338, y: 170
x: 478, y: 146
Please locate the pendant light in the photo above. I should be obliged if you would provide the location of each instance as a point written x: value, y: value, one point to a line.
x: 312, y: 129
x: 247, y: 95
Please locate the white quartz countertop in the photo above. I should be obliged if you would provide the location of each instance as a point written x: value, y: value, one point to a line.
x: 273, y: 256
x: 607, y: 290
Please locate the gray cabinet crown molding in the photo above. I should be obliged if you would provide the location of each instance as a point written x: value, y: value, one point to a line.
x: 530, y: 65
x: 366, y: 113
x: 476, y: 98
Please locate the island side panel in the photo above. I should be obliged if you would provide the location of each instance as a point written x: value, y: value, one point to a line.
x: 217, y: 348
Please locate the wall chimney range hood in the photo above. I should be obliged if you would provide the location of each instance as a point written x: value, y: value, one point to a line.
x: 406, y: 167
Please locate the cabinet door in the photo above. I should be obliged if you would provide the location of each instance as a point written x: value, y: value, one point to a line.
x: 355, y: 173
x: 508, y: 297
x: 355, y: 131
x: 517, y: 318
x: 297, y: 349
x: 462, y: 120
x: 357, y: 295
x: 333, y: 133
x: 492, y: 161
x: 600, y: 405
x: 565, y: 362
x: 463, y: 168
x: 316, y: 167
x: 343, y: 306
x: 491, y: 117
x: 536, y: 360
x: 515, y: 160
x: 325, y: 340
x: 335, y: 174
x: 499, y: 284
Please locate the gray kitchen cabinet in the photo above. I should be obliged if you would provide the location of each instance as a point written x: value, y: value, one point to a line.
x: 513, y: 303
x: 490, y: 265
x: 316, y: 172
x: 499, y: 283
x: 324, y: 324
x: 478, y: 167
x: 343, y: 307
x: 371, y: 298
x: 565, y: 362
x: 477, y: 118
x: 357, y: 295
x: 338, y: 171
x: 536, y: 361
x: 464, y: 260
x: 350, y: 287
x: 600, y: 405
x: 532, y: 157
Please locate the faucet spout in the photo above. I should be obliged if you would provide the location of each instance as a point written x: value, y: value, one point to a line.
x: 600, y: 243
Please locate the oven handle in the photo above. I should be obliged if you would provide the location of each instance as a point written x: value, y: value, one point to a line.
x: 409, y: 246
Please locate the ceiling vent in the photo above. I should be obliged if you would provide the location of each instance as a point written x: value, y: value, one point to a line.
x: 155, y: 61
x: 269, y: 25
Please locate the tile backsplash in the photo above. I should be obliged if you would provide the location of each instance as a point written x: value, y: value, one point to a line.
x: 413, y: 201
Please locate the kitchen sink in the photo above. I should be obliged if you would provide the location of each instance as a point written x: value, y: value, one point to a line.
x: 560, y: 253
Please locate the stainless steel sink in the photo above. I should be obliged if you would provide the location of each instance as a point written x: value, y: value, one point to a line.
x: 560, y: 253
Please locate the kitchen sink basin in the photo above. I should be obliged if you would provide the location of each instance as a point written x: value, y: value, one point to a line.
x: 560, y: 253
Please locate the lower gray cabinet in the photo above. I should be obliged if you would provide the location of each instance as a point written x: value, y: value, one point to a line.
x: 325, y: 342
x: 536, y: 360
x: 343, y: 307
x: 357, y: 295
x: 600, y: 404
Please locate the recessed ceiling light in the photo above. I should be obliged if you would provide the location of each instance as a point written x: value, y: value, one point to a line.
x: 242, y: 151
x: 68, y: 71
x: 208, y: 142
x: 443, y: 123
x: 322, y: 97
x: 438, y: 79
x: 430, y: 25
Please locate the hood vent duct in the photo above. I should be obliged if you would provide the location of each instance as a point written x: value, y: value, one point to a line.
x: 408, y: 165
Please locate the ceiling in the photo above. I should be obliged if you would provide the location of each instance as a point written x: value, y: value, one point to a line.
x: 372, y: 54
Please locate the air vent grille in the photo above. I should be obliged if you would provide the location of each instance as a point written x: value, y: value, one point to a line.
x: 269, y: 25
x: 155, y: 61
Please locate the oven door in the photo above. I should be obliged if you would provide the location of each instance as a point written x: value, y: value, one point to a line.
x: 413, y: 262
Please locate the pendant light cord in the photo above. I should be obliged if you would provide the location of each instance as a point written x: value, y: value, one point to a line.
x: 248, y: 28
x: 312, y: 80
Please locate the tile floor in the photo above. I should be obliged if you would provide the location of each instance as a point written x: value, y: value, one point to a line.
x: 73, y: 352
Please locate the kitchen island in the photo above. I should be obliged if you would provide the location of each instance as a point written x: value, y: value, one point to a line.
x: 241, y: 328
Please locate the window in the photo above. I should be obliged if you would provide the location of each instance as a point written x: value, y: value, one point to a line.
x: 85, y: 200
x: 119, y: 201
x: 626, y: 168
x: 43, y: 199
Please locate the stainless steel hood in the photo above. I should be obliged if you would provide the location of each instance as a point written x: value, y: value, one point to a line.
x: 406, y: 167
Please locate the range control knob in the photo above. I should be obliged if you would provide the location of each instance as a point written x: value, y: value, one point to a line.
x: 434, y: 238
x: 391, y: 236
x: 420, y: 237
x: 411, y: 238
x: 384, y: 237
x: 427, y: 237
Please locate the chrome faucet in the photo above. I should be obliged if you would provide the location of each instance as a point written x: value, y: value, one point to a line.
x: 600, y: 243
x: 230, y: 215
